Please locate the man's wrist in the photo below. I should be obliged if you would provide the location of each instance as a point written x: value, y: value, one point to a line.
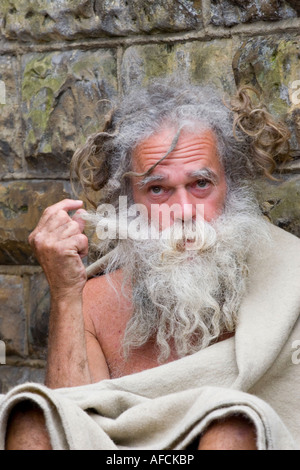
x: 64, y: 300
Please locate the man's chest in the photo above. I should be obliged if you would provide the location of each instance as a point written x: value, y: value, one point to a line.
x: 110, y: 329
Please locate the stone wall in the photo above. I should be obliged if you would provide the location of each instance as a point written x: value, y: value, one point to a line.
x: 61, y: 60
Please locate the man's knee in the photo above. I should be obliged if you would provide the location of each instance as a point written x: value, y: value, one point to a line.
x: 232, y: 433
x: 26, y: 428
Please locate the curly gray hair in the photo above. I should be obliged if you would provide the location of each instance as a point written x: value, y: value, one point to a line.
x: 249, y: 140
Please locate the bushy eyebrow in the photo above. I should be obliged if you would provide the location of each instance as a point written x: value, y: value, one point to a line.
x: 151, y: 179
x: 205, y: 173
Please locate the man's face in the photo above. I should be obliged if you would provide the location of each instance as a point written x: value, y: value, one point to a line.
x: 190, y: 176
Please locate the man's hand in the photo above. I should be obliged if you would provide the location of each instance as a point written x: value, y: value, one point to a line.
x: 59, y: 245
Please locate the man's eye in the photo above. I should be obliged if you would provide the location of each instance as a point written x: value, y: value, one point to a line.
x: 156, y: 189
x: 202, y: 184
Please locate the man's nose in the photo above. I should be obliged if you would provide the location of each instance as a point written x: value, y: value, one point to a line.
x: 183, y: 204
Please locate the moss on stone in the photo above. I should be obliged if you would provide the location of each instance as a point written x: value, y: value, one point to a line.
x: 271, y: 64
x: 158, y: 60
x: 280, y: 202
x: 40, y: 73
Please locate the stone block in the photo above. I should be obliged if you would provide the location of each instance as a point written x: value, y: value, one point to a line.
x: 154, y: 16
x: 42, y: 20
x: 232, y: 12
x: 13, y: 316
x: 142, y: 63
x: 10, y: 117
x: 280, y: 202
x: 295, y: 5
x: 65, y: 96
x: 21, y: 206
x: 39, y: 309
x: 206, y: 63
x: 271, y: 65
x: 10, y: 376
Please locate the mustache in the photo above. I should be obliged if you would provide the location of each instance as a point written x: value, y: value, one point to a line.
x: 181, y: 236
x: 194, y: 235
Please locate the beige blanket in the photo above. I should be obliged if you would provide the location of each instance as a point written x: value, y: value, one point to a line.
x: 255, y: 373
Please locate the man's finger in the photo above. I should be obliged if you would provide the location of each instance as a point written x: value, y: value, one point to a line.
x: 76, y: 217
x: 78, y: 243
x: 65, y: 205
x: 66, y: 230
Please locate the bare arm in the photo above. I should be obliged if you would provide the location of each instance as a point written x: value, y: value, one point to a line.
x: 67, y: 362
x: 74, y: 354
x: 96, y: 359
x: 59, y: 245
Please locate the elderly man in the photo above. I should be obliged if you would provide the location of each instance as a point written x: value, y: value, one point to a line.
x: 185, y: 162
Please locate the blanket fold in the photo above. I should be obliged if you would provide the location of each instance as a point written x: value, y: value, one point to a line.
x: 168, y: 422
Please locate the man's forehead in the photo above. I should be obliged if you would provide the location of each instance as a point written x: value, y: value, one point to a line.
x: 191, y: 146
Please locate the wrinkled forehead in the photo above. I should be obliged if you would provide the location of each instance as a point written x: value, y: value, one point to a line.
x: 170, y: 146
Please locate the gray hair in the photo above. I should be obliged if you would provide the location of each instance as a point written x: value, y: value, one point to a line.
x: 249, y: 141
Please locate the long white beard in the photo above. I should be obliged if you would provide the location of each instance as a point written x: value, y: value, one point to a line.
x: 189, y: 297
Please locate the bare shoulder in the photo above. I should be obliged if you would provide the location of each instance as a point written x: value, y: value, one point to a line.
x: 106, y: 309
x: 104, y: 294
x: 102, y: 286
